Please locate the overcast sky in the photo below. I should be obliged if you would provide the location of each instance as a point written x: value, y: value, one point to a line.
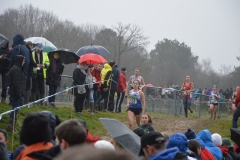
x: 210, y: 27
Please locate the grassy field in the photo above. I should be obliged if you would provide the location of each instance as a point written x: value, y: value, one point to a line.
x: 162, y: 122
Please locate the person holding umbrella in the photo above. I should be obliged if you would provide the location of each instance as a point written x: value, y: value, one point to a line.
x: 53, y: 79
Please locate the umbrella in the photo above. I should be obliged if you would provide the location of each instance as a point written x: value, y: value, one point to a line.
x: 42, y: 40
x: 93, y: 49
x: 48, y: 49
x: 92, y: 59
x: 3, y: 40
x: 123, y: 135
x: 66, y: 56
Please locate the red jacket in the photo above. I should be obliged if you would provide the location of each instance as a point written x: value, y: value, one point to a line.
x: 122, y: 82
x: 96, y: 73
x: 237, y: 102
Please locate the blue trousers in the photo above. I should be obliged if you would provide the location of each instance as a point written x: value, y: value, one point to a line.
x: 52, y: 90
x: 186, y: 104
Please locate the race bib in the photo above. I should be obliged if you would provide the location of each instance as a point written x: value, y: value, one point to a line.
x: 133, y: 100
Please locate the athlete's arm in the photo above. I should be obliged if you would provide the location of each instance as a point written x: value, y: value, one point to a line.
x: 192, y: 89
x: 128, y: 83
x: 142, y: 81
x: 128, y: 100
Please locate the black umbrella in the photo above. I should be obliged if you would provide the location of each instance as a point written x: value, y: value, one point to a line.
x: 93, y: 49
x: 66, y: 56
x: 3, y: 40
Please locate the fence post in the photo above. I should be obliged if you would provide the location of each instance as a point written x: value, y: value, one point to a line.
x: 175, y: 97
x: 199, y: 108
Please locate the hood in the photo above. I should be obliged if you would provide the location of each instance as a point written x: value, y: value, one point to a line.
x: 107, y: 66
x: 168, y: 154
x: 18, y: 39
x: 18, y: 60
x: 205, y: 136
x: 201, y: 142
x: 178, y: 140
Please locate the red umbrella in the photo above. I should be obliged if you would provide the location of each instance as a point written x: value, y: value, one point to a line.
x: 149, y: 85
x: 92, y: 59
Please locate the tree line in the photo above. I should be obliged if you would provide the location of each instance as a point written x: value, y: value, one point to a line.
x: 167, y: 64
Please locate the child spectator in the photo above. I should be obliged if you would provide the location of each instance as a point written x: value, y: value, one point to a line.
x: 146, y: 123
x: 227, y: 143
x: 197, y: 104
x: 194, y: 149
x: 4, y: 139
x: 190, y: 134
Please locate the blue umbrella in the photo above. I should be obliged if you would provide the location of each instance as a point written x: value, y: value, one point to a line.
x: 95, y: 49
x: 3, y: 40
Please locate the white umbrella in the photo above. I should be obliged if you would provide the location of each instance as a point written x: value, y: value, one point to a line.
x: 42, y: 40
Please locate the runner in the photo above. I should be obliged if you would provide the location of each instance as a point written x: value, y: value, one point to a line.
x: 234, y: 99
x: 187, y: 88
x: 136, y: 77
x: 214, y: 96
x: 136, y: 104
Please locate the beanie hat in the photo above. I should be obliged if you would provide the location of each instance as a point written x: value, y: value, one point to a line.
x: 178, y: 140
x: 3, y: 151
x: 123, y: 69
x: 216, y: 139
x: 190, y: 134
x: 35, y: 128
x: 139, y: 132
x: 103, y: 144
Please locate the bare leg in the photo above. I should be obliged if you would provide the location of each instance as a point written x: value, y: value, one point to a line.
x: 130, y: 119
x: 138, y: 117
x: 211, y: 110
x: 233, y: 108
x: 215, y: 111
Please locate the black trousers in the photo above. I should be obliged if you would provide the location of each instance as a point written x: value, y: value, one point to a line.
x: 120, y: 98
x: 78, y: 102
x: 111, y: 100
x: 38, y: 85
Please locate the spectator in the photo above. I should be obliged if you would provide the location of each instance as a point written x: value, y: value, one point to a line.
x: 53, y: 77
x: 146, y: 125
x: 3, y: 151
x: 194, y: 150
x: 32, y: 65
x: 205, y: 136
x: 5, y: 59
x: 40, y: 58
x: 121, y: 90
x: 113, y: 85
x: 79, y: 76
x: 96, y: 73
x: 17, y: 81
x: 92, y: 153
x: 106, y: 75
x: 190, y: 134
x: 236, y: 114
x: 205, y: 153
x: 153, y: 147
x: 4, y: 140
x: 35, y: 124
x: 103, y: 144
x: 20, y: 49
x: 227, y: 143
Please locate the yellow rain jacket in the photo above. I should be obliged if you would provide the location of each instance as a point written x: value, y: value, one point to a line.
x: 105, y: 70
x: 45, y: 61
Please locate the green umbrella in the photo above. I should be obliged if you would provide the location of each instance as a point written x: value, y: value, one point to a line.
x: 48, y: 49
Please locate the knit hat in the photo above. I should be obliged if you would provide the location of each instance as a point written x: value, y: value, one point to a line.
x: 139, y: 132
x: 123, y: 69
x: 216, y: 139
x: 190, y: 134
x: 103, y: 144
x: 3, y: 151
x: 178, y: 140
x: 35, y: 128
x: 227, y: 142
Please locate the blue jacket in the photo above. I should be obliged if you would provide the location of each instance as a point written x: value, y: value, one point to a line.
x: 115, y: 78
x: 20, y: 49
x: 205, y: 136
x: 168, y: 154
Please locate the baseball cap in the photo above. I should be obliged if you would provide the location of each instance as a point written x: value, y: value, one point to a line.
x: 39, y: 46
x: 150, y: 139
